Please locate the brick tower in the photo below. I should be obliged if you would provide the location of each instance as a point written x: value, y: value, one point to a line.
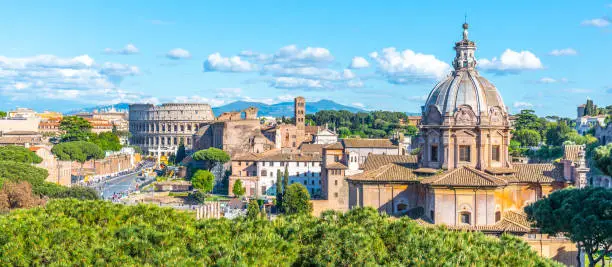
x: 300, y: 118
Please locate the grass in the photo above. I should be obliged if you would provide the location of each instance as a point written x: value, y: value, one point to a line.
x: 178, y: 194
x: 217, y: 198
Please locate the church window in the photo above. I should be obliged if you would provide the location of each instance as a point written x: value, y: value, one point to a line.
x: 464, y: 153
x: 465, y: 217
x: 434, y: 152
x: 495, y: 153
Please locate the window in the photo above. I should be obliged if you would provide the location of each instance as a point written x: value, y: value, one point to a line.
x: 298, y: 174
x: 495, y: 153
x: 335, y: 194
x: 497, y: 216
x: 465, y: 217
x: 264, y: 173
x: 335, y: 182
x: 305, y: 182
x: 282, y: 164
x: 464, y: 153
x: 434, y: 152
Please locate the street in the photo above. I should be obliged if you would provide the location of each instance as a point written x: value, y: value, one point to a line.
x: 117, y: 185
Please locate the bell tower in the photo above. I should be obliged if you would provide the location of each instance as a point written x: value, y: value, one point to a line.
x: 300, y: 117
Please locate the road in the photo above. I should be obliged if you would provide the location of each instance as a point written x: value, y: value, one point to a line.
x: 117, y: 185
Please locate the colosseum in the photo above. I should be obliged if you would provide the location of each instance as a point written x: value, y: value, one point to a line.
x: 161, y: 128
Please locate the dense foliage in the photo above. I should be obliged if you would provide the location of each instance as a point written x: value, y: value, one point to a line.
x: 196, y: 197
x: 106, y: 141
x: 203, y: 180
x: 2, y: 114
x: 18, y: 154
x: 583, y: 215
x: 603, y: 158
x: 296, y: 200
x: 75, y: 129
x: 180, y: 153
x: 79, y: 151
x: 527, y: 137
x: 212, y: 156
x: 70, y: 232
x: 376, y: 124
x: 238, y: 189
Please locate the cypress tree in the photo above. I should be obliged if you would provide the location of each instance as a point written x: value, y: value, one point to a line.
x: 279, y: 190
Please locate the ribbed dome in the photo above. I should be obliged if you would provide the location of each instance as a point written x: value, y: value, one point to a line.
x: 464, y: 90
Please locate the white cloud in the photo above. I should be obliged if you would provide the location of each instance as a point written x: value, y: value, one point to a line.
x: 522, y: 105
x: 408, y: 66
x: 198, y: 99
x: 128, y: 49
x: 563, y: 52
x: 178, y: 53
x: 297, y: 83
x: 359, y: 105
x: 79, y: 78
x: 215, y: 62
x: 599, y: 22
x: 359, y: 63
x: 354, y: 83
x: 229, y: 92
x: 308, y: 54
x: 511, y: 62
x: 552, y: 80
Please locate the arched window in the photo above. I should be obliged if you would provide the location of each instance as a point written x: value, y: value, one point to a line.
x: 497, y: 216
x: 465, y: 217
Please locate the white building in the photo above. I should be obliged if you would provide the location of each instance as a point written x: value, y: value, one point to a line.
x: 358, y: 149
x: 584, y: 123
x: 258, y: 172
x: 325, y: 137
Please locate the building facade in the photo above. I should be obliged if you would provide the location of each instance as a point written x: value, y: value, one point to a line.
x: 160, y: 129
x: 258, y: 172
x: 60, y: 172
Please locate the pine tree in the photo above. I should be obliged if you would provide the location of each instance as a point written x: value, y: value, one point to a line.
x: 180, y: 153
x: 279, y: 190
x: 285, y: 180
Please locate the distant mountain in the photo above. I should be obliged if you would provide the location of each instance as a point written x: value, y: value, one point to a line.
x: 283, y: 108
x: 274, y: 110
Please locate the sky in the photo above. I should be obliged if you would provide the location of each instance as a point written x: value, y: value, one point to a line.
x: 549, y: 56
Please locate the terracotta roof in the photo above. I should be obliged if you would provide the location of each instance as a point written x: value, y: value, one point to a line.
x: 337, y: 145
x: 427, y: 170
x: 336, y: 165
x: 572, y: 152
x: 375, y: 161
x: 312, y: 148
x: 247, y: 157
x: 311, y: 129
x: 496, y: 171
x: 20, y: 139
x: 363, y: 143
x: 535, y: 173
x: 465, y: 176
x: 289, y: 157
x: 392, y: 172
x: 20, y: 133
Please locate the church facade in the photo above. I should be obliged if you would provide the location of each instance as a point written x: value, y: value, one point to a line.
x: 463, y: 176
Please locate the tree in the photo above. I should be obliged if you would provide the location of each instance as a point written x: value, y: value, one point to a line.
x: 180, y: 153
x: 75, y: 129
x: 527, y: 119
x: 2, y: 114
x: 79, y: 151
x: 107, y: 141
x: 213, y: 156
x: 203, y: 180
x: 582, y: 215
x: 196, y: 197
x: 589, y: 108
x: 297, y: 200
x: 19, y: 154
x: 285, y: 181
x: 18, y: 195
x: 253, y: 210
x: 527, y: 137
x: 556, y: 133
x: 603, y: 158
x: 78, y: 192
x: 238, y: 188
x: 279, y: 190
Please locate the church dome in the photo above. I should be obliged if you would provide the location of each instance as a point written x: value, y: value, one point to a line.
x: 464, y: 95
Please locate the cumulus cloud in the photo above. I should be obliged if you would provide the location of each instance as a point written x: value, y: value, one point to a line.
x: 407, y: 66
x: 522, y: 105
x: 290, y: 67
x: 552, y: 80
x: 79, y: 78
x: 178, y: 53
x: 511, y: 62
x: 229, y: 92
x: 359, y: 63
x: 128, y: 49
x: 563, y: 52
x: 216, y: 62
x: 599, y: 22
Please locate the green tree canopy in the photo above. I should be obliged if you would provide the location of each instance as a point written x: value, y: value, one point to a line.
x: 296, y: 200
x: 583, y: 215
x: 279, y: 189
x: 212, y: 155
x: 203, y: 180
x: 527, y: 137
x: 528, y: 120
x: 80, y: 151
x: 2, y: 114
x: 556, y: 133
x: 253, y: 210
x: 70, y: 232
x: 19, y: 154
x: 180, y: 153
x: 107, y: 141
x: 603, y: 158
x: 75, y: 129
x: 238, y: 188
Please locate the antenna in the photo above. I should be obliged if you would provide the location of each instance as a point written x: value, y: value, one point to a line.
x: 465, y: 18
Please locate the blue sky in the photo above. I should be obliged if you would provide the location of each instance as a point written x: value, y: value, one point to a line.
x: 544, y: 55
